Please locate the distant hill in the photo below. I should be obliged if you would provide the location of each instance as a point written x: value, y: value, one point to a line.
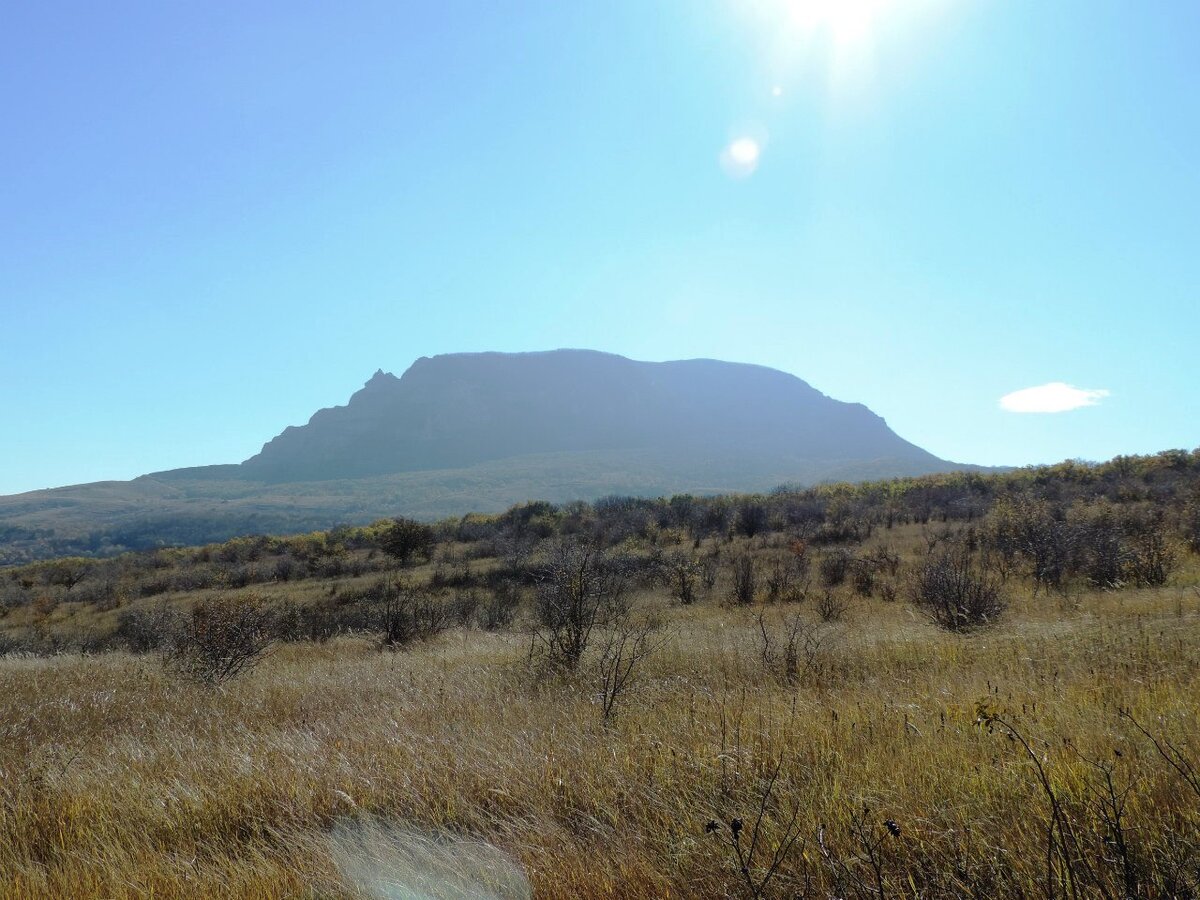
x: 479, y: 432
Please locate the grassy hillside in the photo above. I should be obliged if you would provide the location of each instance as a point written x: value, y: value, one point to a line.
x: 951, y: 686
x: 193, y: 506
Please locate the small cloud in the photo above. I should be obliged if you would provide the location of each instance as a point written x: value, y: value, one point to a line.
x: 1051, y: 398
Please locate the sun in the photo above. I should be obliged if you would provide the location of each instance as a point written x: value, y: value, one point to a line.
x: 844, y: 21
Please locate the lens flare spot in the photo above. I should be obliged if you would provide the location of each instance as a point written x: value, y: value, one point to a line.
x: 740, y: 157
x: 744, y: 151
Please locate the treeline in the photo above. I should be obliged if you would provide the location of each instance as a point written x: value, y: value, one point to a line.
x: 1107, y: 525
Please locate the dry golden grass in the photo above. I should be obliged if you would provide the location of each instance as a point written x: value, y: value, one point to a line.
x: 121, y: 781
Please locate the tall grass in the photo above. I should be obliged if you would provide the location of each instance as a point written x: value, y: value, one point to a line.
x: 119, y: 780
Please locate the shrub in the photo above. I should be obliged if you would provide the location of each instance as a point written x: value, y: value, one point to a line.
x: 752, y: 519
x: 1191, y: 526
x: 783, y: 581
x: 834, y: 566
x: 404, y: 614
x: 745, y: 582
x: 954, y: 594
x: 1151, y: 558
x: 580, y: 589
x: 790, y: 649
x: 499, y: 610
x: 145, y: 630
x: 864, y: 577
x: 1036, y: 530
x: 463, y: 607
x: 316, y: 622
x: 1104, y: 557
x: 405, y: 538
x: 626, y: 646
x: 221, y: 639
x: 831, y: 607
x: 681, y: 574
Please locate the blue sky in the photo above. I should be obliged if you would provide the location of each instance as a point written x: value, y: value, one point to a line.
x: 216, y: 218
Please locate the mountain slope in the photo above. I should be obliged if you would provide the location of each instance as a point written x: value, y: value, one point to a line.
x: 464, y: 409
x: 479, y: 432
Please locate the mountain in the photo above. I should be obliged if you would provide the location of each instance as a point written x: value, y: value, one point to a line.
x: 468, y: 408
x: 479, y: 432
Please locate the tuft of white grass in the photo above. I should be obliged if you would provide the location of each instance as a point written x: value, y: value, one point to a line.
x: 392, y: 862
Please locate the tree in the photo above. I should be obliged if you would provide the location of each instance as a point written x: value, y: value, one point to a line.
x: 580, y: 590
x: 405, y: 538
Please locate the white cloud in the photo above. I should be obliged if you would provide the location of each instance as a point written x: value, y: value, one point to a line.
x: 1051, y: 398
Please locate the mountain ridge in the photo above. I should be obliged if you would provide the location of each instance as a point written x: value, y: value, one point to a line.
x: 478, y: 432
x: 463, y: 409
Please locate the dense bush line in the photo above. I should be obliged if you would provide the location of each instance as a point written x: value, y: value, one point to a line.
x: 1109, y: 526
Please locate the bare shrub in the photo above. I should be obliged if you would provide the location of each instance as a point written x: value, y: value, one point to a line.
x: 580, y: 589
x: 464, y: 606
x: 954, y: 594
x: 790, y: 648
x: 831, y: 607
x: 884, y: 560
x: 1191, y: 526
x: 222, y: 638
x: 864, y: 577
x: 758, y: 860
x: 626, y: 646
x: 745, y: 581
x: 1151, y: 557
x: 500, y: 608
x: 681, y: 573
x: 798, y: 549
x: 12, y: 596
x: 834, y: 566
x: 404, y: 614
x: 143, y: 630
x: 783, y: 581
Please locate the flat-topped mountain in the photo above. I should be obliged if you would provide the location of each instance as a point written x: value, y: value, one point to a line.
x: 479, y: 432
x: 469, y: 408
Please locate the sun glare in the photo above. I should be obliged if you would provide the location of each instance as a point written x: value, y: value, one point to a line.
x: 744, y: 151
x: 741, y: 155
x: 844, y: 21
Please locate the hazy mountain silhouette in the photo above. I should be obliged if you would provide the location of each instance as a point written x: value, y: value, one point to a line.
x: 468, y: 408
x: 479, y: 432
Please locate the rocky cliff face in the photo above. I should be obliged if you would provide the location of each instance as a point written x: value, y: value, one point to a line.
x: 464, y: 409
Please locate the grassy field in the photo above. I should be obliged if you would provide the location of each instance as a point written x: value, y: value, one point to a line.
x: 1047, y: 754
